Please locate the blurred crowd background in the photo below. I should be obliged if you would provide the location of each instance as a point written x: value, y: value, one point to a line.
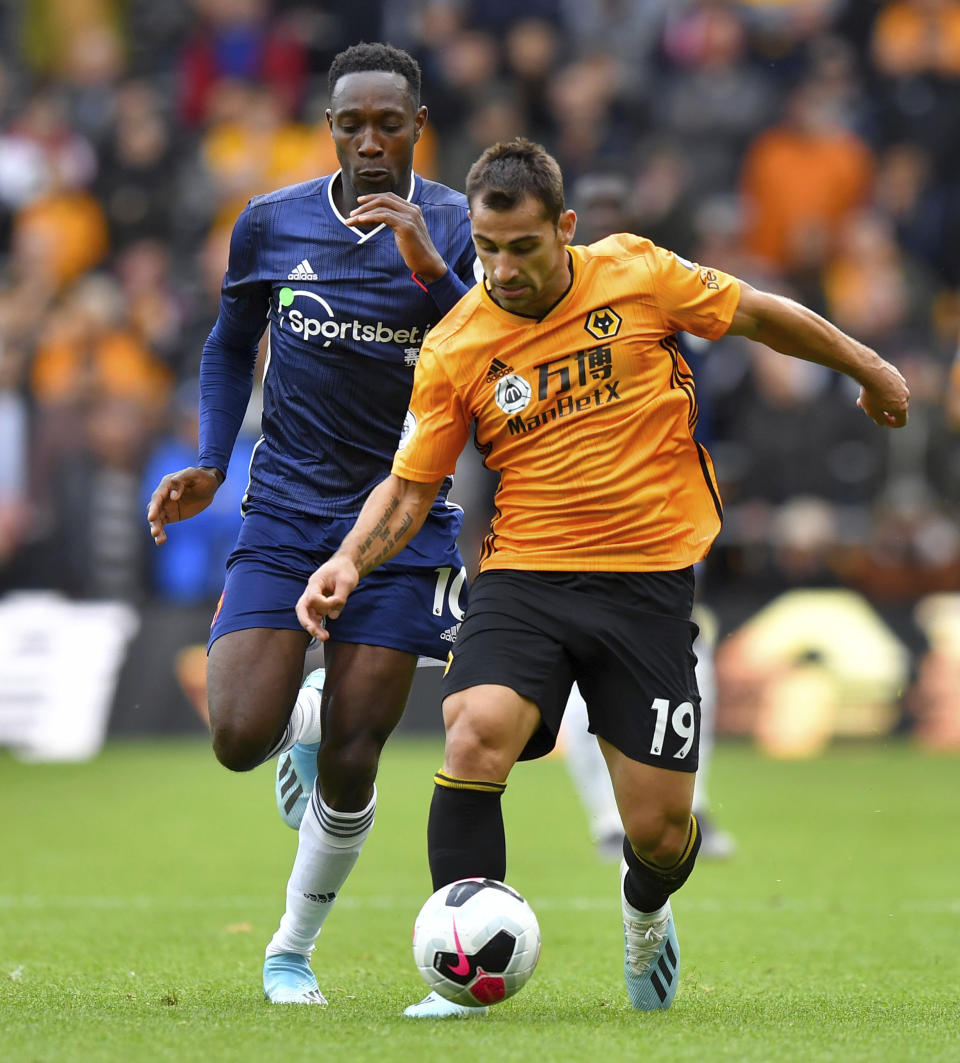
x: 811, y: 147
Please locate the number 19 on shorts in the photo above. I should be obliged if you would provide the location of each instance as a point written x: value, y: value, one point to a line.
x: 683, y: 722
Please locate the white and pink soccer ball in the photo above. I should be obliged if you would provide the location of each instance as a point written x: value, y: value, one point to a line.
x: 476, y: 941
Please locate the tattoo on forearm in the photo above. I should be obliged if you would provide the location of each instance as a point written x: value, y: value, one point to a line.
x: 383, y: 539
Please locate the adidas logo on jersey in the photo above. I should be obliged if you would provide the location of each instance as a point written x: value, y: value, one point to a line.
x: 302, y: 272
x: 450, y: 635
x: 497, y: 369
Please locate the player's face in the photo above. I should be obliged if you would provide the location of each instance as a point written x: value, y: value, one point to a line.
x: 374, y: 125
x: 524, y: 255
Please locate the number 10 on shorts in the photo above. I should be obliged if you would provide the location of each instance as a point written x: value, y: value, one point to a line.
x: 682, y: 720
x: 452, y: 594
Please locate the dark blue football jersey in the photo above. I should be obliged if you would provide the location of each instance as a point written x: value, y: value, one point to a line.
x: 346, y: 321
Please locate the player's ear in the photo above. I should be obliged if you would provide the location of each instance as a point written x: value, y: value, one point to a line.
x: 418, y: 123
x: 567, y: 226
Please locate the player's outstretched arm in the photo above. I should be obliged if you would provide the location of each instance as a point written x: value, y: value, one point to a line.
x: 793, y: 329
x: 181, y: 495
x: 391, y: 516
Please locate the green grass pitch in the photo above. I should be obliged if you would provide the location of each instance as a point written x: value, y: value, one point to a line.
x: 137, y: 893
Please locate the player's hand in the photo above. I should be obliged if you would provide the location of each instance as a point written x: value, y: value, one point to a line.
x: 886, y: 398
x: 178, y: 496
x: 409, y: 230
x: 326, y: 594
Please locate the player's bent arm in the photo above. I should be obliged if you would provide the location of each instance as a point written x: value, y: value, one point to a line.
x: 392, y: 514
x: 409, y: 230
x: 795, y: 330
x: 427, y: 266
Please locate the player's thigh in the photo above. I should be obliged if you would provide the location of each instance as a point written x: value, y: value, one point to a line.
x: 253, y: 675
x: 511, y: 638
x: 257, y: 646
x: 395, y: 614
x: 365, y: 692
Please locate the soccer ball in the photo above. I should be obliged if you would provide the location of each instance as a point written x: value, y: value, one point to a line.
x: 476, y: 941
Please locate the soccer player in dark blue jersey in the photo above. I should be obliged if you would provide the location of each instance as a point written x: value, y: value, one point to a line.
x: 348, y: 272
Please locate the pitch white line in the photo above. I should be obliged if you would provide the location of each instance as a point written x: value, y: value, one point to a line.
x: 12, y: 902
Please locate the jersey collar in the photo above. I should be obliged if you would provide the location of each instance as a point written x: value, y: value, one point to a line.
x: 361, y: 237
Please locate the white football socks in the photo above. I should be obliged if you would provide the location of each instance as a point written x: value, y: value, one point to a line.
x: 330, y: 843
x: 304, y: 723
x: 633, y: 915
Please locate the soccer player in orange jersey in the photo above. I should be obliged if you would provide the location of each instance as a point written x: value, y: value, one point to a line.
x: 566, y: 361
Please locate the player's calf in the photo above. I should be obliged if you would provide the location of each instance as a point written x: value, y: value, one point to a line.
x: 647, y: 885
x: 465, y: 835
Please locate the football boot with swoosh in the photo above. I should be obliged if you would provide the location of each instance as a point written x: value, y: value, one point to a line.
x: 434, y: 1006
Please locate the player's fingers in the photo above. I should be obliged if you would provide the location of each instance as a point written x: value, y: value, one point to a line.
x: 885, y: 417
x: 889, y: 418
x: 167, y: 512
x: 312, y: 619
x: 388, y: 209
x: 155, y: 505
x: 324, y: 604
x: 377, y: 217
x: 169, y: 489
x: 896, y: 418
x: 155, y: 518
x: 304, y: 616
x: 384, y: 199
x: 316, y: 629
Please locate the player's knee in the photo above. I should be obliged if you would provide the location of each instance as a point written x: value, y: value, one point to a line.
x: 474, y: 751
x: 348, y: 770
x: 236, y: 744
x: 656, y: 837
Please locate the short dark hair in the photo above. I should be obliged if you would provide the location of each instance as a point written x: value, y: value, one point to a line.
x: 379, y: 57
x: 511, y: 170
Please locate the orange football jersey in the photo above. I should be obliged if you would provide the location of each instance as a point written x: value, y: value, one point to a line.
x: 587, y: 414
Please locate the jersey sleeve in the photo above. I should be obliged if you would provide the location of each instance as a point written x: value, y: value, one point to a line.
x: 244, y: 295
x: 693, y: 298
x: 230, y: 352
x: 437, y: 426
x: 447, y: 291
x: 463, y: 270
